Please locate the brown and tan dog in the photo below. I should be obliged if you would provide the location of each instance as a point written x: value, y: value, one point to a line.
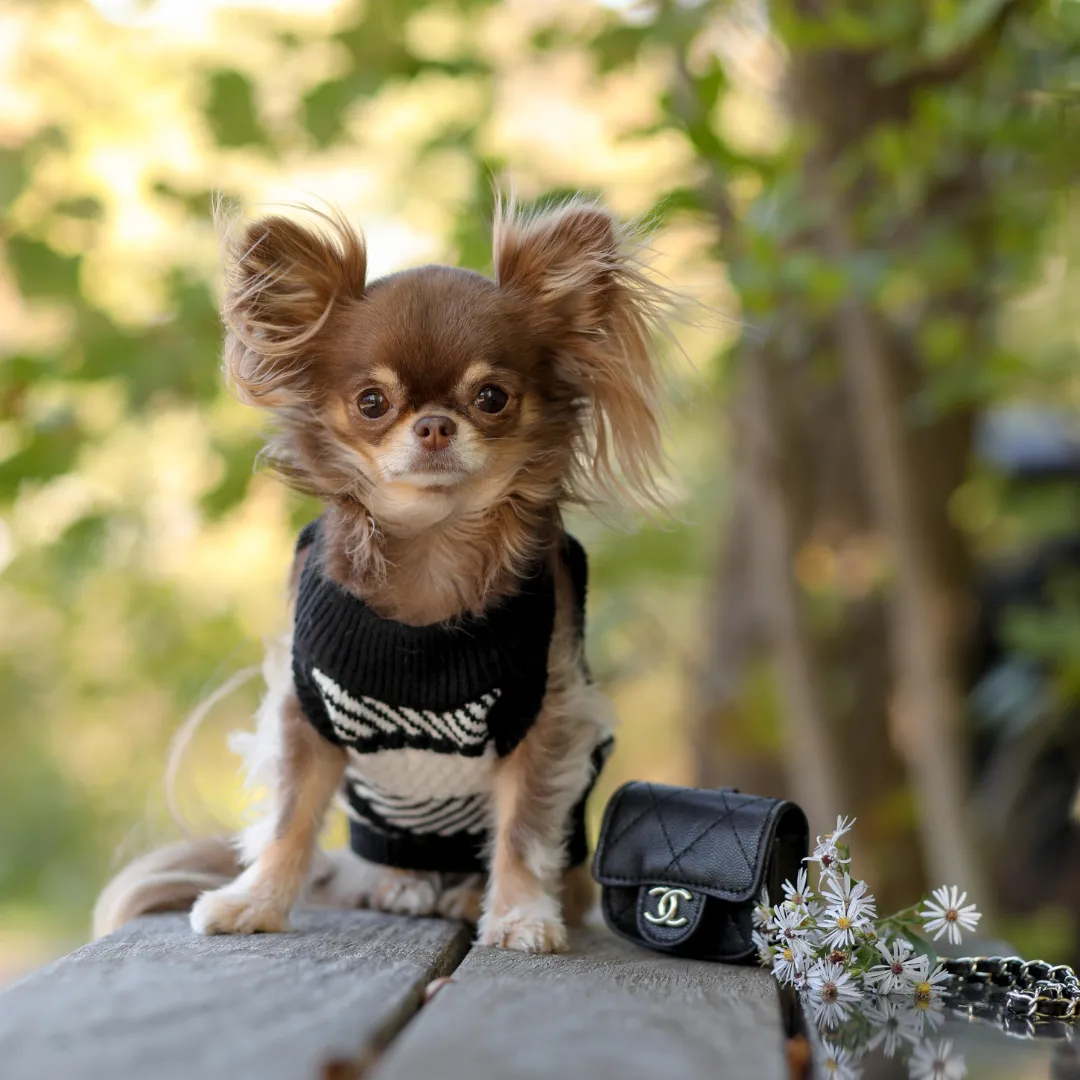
x: 444, y: 419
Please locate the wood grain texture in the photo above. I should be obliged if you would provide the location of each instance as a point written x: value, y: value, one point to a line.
x: 156, y: 1001
x: 607, y: 1009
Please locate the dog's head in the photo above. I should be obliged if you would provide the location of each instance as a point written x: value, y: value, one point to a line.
x: 437, y: 391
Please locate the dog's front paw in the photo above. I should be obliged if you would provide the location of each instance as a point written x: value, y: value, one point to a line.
x: 225, y: 911
x: 525, y: 929
x: 402, y: 892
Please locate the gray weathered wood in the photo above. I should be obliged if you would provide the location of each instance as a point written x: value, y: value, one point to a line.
x: 607, y: 1009
x: 158, y: 1002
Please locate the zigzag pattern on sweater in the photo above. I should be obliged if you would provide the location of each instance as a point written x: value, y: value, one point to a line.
x: 361, y: 719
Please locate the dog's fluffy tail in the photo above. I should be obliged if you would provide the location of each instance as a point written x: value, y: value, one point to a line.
x: 168, y: 879
x: 171, y: 878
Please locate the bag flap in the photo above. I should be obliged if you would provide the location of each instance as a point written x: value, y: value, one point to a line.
x: 715, y: 841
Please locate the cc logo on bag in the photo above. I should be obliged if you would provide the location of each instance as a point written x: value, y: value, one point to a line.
x: 667, y: 907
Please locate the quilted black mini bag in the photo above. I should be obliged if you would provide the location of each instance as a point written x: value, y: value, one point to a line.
x: 681, y: 868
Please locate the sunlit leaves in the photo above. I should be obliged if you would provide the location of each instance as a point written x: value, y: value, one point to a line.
x: 379, y: 54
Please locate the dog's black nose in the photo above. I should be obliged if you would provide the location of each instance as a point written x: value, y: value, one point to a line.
x: 434, y: 432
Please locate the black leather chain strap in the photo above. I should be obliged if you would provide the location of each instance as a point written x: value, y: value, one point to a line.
x: 1028, y: 998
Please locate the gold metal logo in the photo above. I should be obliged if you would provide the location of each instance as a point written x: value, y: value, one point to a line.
x: 667, y: 907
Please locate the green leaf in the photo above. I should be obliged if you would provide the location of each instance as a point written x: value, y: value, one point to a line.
x: 673, y: 203
x: 957, y: 24
x: 53, y: 448
x: 231, y: 110
x: 40, y: 270
x: 86, y: 208
x: 617, y: 46
x: 921, y: 945
x: 195, y: 204
x: 324, y: 106
x: 239, y: 462
x: 13, y: 174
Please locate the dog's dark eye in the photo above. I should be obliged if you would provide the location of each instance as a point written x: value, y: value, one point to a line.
x: 491, y: 399
x: 373, y: 404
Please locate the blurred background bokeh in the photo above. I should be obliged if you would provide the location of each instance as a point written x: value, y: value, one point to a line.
x: 870, y: 599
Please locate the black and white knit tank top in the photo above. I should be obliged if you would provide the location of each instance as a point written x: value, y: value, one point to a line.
x: 425, y: 711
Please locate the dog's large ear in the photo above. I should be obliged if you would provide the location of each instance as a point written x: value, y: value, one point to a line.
x: 595, y: 314
x: 282, y: 281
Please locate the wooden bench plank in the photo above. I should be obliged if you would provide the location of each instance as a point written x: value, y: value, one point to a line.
x: 607, y: 1009
x: 156, y: 1001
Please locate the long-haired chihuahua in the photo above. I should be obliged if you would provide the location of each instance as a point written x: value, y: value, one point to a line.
x: 434, y: 677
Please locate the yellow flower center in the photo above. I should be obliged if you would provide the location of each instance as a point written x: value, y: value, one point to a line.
x: 922, y: 991
x: 787, y: 952
x: 843, y: 923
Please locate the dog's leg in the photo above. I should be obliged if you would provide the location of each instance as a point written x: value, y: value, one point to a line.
x: 535, y: 790
x: 579, y: 894
x: 309, y: 770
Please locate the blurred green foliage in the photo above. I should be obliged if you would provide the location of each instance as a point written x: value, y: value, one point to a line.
x: 142, y: 553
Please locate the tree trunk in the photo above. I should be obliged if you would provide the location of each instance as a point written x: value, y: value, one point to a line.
x: 861, y: 580
x: 800, y: 502
x: 910, y: 471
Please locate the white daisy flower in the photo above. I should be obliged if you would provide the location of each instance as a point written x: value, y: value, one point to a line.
x: 828, y: 856
x: 789, y: 966
x: 928, y: 986
x: 829, y: 1014
x: 837, y: 890
x: 893, y: 1024
x: 929, y: 1013
x: 838, y: 1063
x: 930, y: 1062
x: 843, y: 827
x: 762, y: 912
x: 841, y: 923
x: 799, y: 894
x: 789, y: 929
x: 832, y: 983
x: 901, y: 970
x: 948, y: 915
x: 765, y: 950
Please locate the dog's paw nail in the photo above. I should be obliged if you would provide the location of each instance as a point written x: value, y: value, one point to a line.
x: 222, y: 912
x: 525, y: 933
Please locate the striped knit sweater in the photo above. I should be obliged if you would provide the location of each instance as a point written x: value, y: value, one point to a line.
x: 425, y: 711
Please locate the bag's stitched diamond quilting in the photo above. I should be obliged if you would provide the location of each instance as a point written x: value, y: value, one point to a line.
x: 726, y: 842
